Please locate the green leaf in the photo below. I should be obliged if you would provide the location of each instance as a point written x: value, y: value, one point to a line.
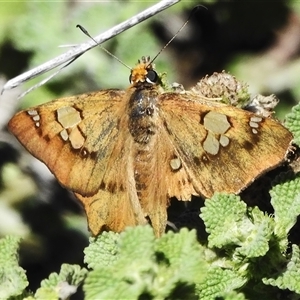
x: 102, y: 250
x: 184, y: 255
x: 62, y: 285
x: 257, y: 243
x: 293, y: 123
x: 221, y: 215
x: 231, y: 225
x: 286, y: 203
x: 129, y: 275
x: 219, y: 282
x: 128, y: 244
x: 289, y: 277
x: 163, y: 268
x: 13, y: 279
x: 232, y: 296
x: 182, y: 260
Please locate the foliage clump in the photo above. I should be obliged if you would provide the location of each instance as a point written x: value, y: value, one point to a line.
x: 143, y: 265
x: 246, y: 255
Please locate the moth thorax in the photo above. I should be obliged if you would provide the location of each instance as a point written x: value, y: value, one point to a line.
x: 142, y: 115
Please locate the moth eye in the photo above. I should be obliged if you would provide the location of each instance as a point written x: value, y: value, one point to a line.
x: 152, y: 76
x: 130, y: 78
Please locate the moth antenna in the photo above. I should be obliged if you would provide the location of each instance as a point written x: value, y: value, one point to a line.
x: 174, y: 36
x: 109, y: 53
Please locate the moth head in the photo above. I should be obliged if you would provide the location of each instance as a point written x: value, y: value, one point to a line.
x: 144, y: 72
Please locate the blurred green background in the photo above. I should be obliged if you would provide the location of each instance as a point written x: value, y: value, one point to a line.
x: 257, y: 41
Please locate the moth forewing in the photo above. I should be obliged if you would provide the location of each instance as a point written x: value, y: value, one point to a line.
x: 223, y: 148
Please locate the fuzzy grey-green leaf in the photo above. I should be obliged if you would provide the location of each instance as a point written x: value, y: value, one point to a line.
x: 222, y: 214
x: 102, y: 250
x: 219, y: 281
x: 293, y: 123
x: 12, y: 277
x: 286, y: 203
x: 62, y: 285
x: 289, y: 278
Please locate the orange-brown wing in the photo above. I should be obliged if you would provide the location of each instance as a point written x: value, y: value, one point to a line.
x: 221, y: 148
x: 84, y: 142
x: 114, y: 209
x: 76, y: 137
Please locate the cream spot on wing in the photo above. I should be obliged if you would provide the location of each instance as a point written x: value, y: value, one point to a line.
x: 224, y: 140
x: 68, y: 116
x: 175, y: 164
x: 216, y: 122
x: 254, y: 123
x: 32, y: 112
x: 35, y: 116
x: 64, y: 135
x: 211, y: 145
x: 76, y: 138
x: 256, y: 119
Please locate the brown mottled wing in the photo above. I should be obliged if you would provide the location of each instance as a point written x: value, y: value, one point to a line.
x: 113, y: 210
x: 74, y: 168
x: 246, y: 153
x: 99, y: 170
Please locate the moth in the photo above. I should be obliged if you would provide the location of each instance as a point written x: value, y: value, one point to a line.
x: 125, y: 153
